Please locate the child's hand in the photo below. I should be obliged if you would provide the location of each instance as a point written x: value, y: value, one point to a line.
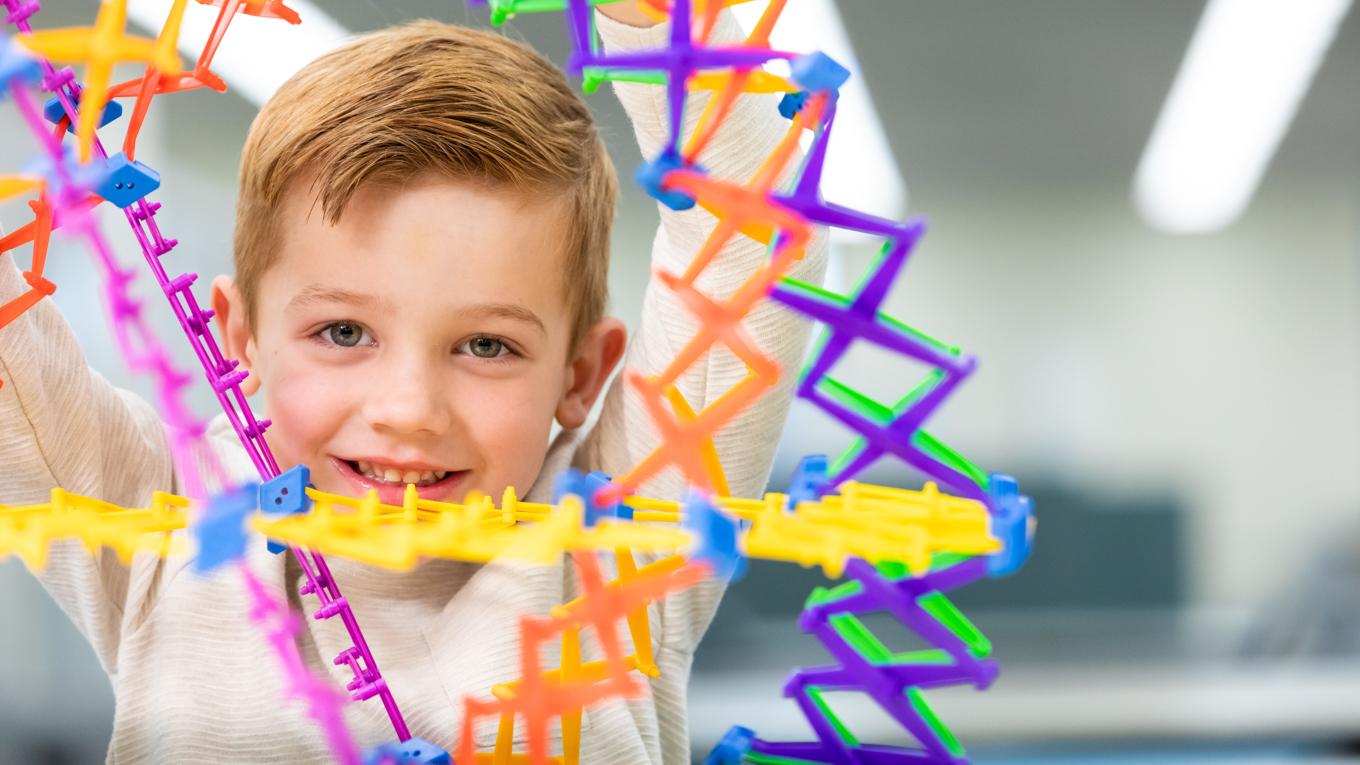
x: 627, y: 12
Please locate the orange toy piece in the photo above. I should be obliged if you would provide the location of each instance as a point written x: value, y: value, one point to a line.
x: 684, y: 413
x: 539, y: 696
x: 100, y: 47
x: 729, y: 85
x: 150, y: 83
x: 705, y: 10
x: 39, y: 287
x: 268, y: 9
x: 265, y: 9
x: 31, y: 232
x: 740, y: 209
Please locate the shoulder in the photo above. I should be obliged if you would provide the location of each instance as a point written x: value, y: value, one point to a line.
x: 222, y: 439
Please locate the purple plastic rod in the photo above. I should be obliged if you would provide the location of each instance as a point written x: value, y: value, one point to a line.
x: 221, y: 373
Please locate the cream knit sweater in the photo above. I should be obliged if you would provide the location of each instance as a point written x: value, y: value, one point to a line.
x: 194, y: 680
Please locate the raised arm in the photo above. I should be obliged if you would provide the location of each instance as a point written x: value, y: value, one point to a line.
x: 63, y: 425
x: 746, y: 447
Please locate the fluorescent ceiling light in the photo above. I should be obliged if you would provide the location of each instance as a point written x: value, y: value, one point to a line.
x: 861, y: 171
x: 1246, y: 70
x: 257, y: 55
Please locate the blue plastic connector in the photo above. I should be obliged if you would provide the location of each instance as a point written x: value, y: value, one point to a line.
x: 413, y: 751
x: 716, y: 537
x: 586, y: 486
x: 126, y: 181
x: 818, y: 72
x: 221, y: 530
x: 808, y: 483
x: 792, y: 103
x: 651, y: 175
x: 286, y: 494
x: 732, y: 749
x: 53, y: 111
x: 1012, y: 524
x: 15, y: 63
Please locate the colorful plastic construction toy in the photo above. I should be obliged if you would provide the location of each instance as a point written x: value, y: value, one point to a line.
x: 66, y: 193
x: 872, y: 523
x: 900, y: 550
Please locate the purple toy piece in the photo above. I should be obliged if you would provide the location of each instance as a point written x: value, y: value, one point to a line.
x: 859, y: 321
x: 885, y: 683
x: 323, y: 703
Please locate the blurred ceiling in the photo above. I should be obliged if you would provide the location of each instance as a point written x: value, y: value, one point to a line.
x: 1049, y: 97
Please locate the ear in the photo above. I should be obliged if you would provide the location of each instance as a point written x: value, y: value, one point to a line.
x: 233, y: 326
x: 596, y: 356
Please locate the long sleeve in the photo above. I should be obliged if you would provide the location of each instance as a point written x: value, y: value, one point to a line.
x: 746, y: 447
x: 625, y: 434
x: 63, y: 425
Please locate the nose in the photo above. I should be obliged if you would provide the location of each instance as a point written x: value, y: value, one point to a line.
x: 408, y: 397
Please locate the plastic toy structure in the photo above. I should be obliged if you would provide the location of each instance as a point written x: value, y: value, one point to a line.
x: 899, y: 550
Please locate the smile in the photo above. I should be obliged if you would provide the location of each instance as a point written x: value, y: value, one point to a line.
x: 394, y: 475
x: 390, y: 480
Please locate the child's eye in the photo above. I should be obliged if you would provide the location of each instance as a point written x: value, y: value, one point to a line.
x: 345, y: 334
x: 485, y: 347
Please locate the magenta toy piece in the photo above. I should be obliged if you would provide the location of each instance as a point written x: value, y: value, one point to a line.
x: 322, y: 701
x: 221, y: 372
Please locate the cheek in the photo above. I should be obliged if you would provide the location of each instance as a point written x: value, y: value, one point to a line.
x: 307, y: 405
x: 510, y: 422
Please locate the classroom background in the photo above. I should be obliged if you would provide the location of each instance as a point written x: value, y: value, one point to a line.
x: 1180, y: 396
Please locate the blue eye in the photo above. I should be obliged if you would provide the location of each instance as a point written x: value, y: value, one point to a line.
x: 486, y: 347
x: 345, y: 334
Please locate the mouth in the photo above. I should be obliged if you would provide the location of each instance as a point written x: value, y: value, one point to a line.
x: 390, y: 480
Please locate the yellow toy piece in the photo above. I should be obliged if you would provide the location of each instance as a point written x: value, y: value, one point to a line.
x: 876, y: 523
x: 14, y: 185
x: 100, y: 48
x: 475, y: 530
x: 28, y: 530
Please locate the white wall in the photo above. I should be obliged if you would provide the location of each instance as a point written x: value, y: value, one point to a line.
x: 1221, y: 367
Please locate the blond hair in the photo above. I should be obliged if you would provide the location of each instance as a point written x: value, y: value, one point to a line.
x: 427, y: 96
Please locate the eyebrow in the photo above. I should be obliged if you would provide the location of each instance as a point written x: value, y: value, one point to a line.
x: 502, y: 311
x: 318, y: 294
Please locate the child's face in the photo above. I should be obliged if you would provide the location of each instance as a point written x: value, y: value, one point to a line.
x: 424, y: 339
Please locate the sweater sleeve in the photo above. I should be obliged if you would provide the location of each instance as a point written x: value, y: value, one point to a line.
x: 625, y: 434
x: 746, y: 447
x: 63, y: 425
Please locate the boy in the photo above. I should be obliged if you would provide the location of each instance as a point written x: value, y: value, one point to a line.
x: 421, y: 253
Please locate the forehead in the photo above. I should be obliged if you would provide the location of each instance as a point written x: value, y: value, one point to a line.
x: 429, y: 244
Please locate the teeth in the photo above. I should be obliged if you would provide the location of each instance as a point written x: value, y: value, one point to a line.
x: 392, y: 475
